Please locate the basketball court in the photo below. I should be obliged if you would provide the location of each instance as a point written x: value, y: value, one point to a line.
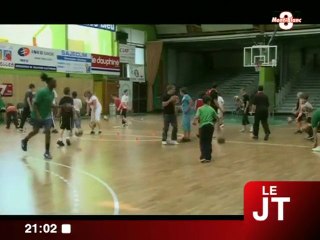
x: 128, y: 171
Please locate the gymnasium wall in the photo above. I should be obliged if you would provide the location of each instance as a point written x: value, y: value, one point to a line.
x: 172, y: 66
x: 21, y: 80
x: 72, y: 37
x: 190, y: 68
x: 294, y: 60
x: 227, y: 60
x: 185, y: 68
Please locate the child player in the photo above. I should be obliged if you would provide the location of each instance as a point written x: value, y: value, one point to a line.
x: 41, y: 115
x: 12, y: 115
x: 66, y: 116
x: 124, y: 107
x: 198, y: 104
x: 315, y: 124
x: 207, y: 116
x: 77, y: 105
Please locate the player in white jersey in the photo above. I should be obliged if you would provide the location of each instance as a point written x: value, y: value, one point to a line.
x: 77, y: 105
x: 94, y: 105
x: 123, y: 108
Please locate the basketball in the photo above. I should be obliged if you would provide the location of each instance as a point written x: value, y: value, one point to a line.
x: 221, y: 140
x: 176, y: 99
x: 290, y: 120
x: 105, y: 117
x: 92, y: 124
x: 78, y: 132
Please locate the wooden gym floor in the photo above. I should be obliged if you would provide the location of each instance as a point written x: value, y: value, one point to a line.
x: 128, y: 171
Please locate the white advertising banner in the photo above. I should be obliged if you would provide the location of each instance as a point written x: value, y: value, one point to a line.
x: 127, y: 53
x: 137, y: 73
x: 73, y: 62
x: 34, y: 58
x: 6, y: 56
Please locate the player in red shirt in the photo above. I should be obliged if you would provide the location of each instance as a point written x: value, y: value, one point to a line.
x: 199, y: 101
x: 116, y: 101
x: 12, y: 115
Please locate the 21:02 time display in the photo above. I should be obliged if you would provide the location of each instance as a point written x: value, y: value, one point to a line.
x: 36, y: 228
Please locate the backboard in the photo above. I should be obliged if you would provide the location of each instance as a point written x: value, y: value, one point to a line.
x: 262, y: 55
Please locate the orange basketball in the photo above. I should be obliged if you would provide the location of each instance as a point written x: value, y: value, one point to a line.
x: 176, y: 99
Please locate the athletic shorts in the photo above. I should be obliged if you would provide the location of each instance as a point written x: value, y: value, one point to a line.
x: 66, y: 122
x: 308, y: 120
x: 301, y: 118
x: 96, y: 116
x: 43, y: 123
x: 124, y: 112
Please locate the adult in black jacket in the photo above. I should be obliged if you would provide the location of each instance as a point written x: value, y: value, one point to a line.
x: 261, y: 109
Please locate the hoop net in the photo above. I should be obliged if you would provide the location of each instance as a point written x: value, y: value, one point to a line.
x: 257, y: 66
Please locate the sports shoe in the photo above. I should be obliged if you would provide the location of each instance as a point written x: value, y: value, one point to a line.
x: 298, y: 131
x: 68, y: 142
x: 99, y: 132
x: 60, y: 143
x: 183, y: 140
x: 266, y: 137
x: 203, y: 160
x: 92, y: 133
x: 174, y: 142
x: 242, y: 130
x: 47, y: 156
x: 164, y: 143
x: 24, y: 145
x: 317, y: 149
x: 310, y: 138
x: 254, y: 137
x: 55, y: 131
x: 251, y: 129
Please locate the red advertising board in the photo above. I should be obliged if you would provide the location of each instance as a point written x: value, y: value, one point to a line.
x: 102, y: 64
x: 6, y: 89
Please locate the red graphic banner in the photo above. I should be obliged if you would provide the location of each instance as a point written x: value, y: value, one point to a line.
x: 6, y: 89
x: 273, y: 210
x: 102, y: 64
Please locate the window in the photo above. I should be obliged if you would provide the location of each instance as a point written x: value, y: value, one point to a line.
x: 124, y: 70
x: 139, y: 58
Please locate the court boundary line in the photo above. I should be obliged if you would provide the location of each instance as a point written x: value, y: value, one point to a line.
x: 234, y: 142
x: 268, y: 144
x: 116, y: 203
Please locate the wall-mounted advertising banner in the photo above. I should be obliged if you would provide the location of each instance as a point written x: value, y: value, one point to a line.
x: 102, y: 64
x: 136, y: 73
x: 73, y: 62
x: 6, y: 56
x: 34, y: 58
x: 127, y: 53
x: 6, y: 89
x: 109, y: 27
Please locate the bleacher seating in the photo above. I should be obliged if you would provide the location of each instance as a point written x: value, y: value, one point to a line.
x: 309, y: 83
x: 228, y: 86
